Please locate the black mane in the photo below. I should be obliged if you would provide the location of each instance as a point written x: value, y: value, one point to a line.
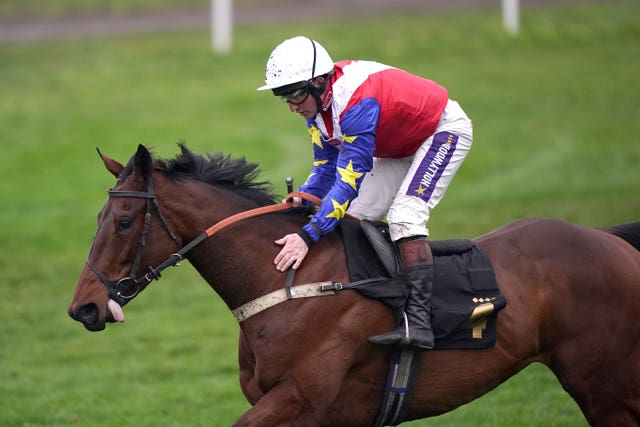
x: 235, y: 174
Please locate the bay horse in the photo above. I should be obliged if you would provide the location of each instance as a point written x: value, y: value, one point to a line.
x: 573, y: 297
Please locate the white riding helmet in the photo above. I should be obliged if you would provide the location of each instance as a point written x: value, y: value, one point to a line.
x: 296, y: 60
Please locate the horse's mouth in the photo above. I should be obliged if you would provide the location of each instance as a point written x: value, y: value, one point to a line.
x: 95, y: 327
x: 89, y: 315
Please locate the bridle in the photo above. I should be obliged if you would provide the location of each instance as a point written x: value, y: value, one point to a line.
x: 126, y: 288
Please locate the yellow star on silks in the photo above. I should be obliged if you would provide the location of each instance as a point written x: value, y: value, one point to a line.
x: 320, y: 162
x: 315, y: 136
x: 421, y: 190
x: 349, y: 139
x: 348, y: 175
x: 338, y: 209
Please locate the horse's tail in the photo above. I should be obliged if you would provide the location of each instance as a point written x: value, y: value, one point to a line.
x: 629, y: 232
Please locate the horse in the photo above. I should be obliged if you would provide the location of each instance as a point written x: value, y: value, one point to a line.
x: 573, y: 297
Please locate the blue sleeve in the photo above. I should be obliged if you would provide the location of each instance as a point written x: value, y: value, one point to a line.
x: 354, y: 160
x: 322, y: 173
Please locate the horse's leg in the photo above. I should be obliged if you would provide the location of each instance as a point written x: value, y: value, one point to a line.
x: 596, y: 356
x: 282, y: 406
x: 606, y: 409
x: 581, y: 285
x: 247, y: 363
x: 600, y: 368
x: 323, y: 381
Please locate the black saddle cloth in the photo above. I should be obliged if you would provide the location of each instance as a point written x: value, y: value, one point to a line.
x: 465, y: 300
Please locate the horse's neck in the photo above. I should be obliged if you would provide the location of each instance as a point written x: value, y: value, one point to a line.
x: 236, y: 261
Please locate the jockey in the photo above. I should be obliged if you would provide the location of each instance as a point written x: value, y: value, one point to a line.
x: 385, y: 143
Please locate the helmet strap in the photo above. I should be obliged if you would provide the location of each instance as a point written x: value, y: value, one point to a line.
x: 317, y: 92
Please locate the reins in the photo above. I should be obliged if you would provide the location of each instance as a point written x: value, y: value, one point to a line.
x: 245, y: 215
x: 253, y: 213
x: 260, y: 211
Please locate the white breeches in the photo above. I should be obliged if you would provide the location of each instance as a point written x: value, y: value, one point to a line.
x: 407, y: 189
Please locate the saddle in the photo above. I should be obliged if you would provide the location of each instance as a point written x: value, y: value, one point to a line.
x: 465, y: 300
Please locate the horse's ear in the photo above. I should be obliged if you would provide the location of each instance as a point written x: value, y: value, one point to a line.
x: 112, y: 166
x: 143, y: 161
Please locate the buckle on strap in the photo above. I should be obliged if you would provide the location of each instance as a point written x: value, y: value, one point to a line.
x: 333, y: 287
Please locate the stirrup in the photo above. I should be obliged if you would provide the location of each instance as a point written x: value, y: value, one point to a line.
x: 406, y: 340
x: 399, y: 336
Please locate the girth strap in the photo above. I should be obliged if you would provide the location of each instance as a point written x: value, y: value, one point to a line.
x: 403, y: 367
x: 269, y: 300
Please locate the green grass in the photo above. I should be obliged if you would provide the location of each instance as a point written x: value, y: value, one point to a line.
x: 556, y: 119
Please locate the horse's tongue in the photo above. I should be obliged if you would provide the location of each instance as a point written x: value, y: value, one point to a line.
x: 116, y: 311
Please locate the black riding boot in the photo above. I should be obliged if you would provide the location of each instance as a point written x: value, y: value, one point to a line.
x: 417, y: 266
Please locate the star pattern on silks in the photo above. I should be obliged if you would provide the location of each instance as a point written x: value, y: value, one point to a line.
x: 348, y: 175
x: 338, y: 209
x: 349, y: 139
x: 420, y: 190
x: 315, y: 136
x: 316, y: 163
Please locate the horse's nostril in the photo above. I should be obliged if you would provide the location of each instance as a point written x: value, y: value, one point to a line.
x: 87, y: 314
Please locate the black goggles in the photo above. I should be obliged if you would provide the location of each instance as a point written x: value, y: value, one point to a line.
x: 296, y: 97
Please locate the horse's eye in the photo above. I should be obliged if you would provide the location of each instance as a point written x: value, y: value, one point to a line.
x: 124, y: 224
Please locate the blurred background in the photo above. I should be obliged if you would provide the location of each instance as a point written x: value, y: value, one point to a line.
x: 556, y: 122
